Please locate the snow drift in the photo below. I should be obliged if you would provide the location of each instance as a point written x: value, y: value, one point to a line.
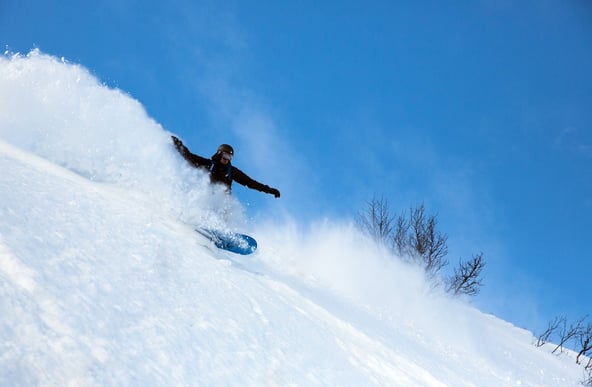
x: 104, y: 282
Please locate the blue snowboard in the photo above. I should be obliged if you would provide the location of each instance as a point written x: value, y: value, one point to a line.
x: 230, y: 241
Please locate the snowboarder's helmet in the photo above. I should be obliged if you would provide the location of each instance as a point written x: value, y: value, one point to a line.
x: 226, y: 148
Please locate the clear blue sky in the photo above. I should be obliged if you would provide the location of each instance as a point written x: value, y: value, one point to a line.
x: 481, y: 110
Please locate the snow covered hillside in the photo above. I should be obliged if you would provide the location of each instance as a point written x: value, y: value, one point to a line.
x: 103, y: 280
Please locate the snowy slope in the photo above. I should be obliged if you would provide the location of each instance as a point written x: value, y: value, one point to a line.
x: 104, y: 282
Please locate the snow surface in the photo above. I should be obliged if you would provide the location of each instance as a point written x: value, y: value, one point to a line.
x: 103, y: 280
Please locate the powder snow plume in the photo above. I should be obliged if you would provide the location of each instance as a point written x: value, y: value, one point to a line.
x: 61, y: 112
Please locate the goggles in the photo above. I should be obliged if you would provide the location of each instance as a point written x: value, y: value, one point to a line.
x: 226, y: 156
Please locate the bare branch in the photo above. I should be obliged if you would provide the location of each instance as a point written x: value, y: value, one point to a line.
x: 551, y: 328
x: 467, y: 277
x: 377, y: 221
x: 588, y: 370
x: 428, y: 246
x: 567, y: 333
x: 399, y: 241
x: 585, y: 339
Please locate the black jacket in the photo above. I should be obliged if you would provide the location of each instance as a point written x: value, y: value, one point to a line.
x: 220, y: 173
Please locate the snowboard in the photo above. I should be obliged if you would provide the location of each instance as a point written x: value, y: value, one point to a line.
x: 230, y: 241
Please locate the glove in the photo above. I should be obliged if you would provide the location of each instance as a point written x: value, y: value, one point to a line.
x: 274, y: 192
x: 177, y: 142
x: 179, y: 145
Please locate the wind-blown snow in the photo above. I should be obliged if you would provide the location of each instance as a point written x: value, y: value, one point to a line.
x: 104, y: 282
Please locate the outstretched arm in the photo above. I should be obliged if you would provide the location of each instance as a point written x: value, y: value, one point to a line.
x: 193, y: 159
x: 242, y: 178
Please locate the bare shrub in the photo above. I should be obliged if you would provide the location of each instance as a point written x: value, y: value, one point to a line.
x: 414, y: 237
x: 567, y: 333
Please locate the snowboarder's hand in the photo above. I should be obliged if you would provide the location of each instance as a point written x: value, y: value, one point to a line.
x: 179, y: 145
x: 177, y: 142
x: 274, y: 192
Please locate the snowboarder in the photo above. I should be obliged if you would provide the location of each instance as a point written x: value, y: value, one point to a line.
x: 221, y: 169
